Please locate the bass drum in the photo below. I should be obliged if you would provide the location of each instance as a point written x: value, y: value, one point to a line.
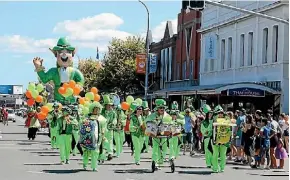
x: 165, y: 129
x: 151, y: 129
x: 176, y: 130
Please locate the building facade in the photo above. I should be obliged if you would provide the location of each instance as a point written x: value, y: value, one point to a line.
x: 246, y: 54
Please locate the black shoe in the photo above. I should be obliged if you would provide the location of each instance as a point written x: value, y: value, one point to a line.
x: 110, y: 157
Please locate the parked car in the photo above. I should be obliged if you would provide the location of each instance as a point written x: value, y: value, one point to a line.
x: 11, y: 115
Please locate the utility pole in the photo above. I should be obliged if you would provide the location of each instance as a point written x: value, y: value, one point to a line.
x: 147, y: 52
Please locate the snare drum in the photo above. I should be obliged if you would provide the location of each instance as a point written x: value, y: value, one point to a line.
x: 165, y: 129
x: 151, y: 129
x: 176, y: 130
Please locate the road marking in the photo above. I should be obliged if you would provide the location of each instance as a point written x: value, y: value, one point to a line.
x: 36, y: 172
x: 7, y: 144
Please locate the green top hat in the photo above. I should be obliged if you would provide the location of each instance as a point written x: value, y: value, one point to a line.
x: 206, y: 108
x: 134, y: 106
x: 63, y: 44
x: 218, y: 109
x: 107, y: 100
x: 145, y: 105
x: 174, y: 112
x: 95, y: 105
x: 160, y: 103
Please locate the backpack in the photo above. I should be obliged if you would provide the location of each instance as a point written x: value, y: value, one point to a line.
x: 89, y: 134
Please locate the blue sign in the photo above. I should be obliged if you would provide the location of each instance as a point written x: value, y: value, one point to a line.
x: 6, y: 89
x: 152, y: 63
x: 246, y: 92
x: 210, y: 47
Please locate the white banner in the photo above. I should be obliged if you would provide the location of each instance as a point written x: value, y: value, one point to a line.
x: 17, y: 90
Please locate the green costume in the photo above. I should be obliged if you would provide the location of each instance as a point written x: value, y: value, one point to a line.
x: 94, y: 153
x: 146, y: 138
x: 159, y: 144
x: 76, y: 128
x: 219, y: 147
x: 111, y: 117
x: 119, y: 135
x: 137, y: 133
x: 65, y: 124
x: 55, y: 74
x: 206, y: 130
x: 52, y: 118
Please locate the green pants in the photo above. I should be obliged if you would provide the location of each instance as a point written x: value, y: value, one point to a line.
x: 118, y: 137
x: 94, y: 155
x: 53, y: 138
x: 159, y: 150
x: 208, y: 154
x: 174, y: 148
x: 109, y: 143
x: 146, y: 142
x: 76, y: 137
x: 219, y: 151
x: 65, y: 146
x: 138, y: 145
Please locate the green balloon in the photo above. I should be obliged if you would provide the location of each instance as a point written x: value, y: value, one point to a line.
x: 90, y: 95
x: 129, y: 99
x: 139, y: 101
x: 85, y: 110
x: 34, y: 93
x: 81, y: 106
x: 40, y: 88
x: 167, y: 119
x: 50, y: 106
x: 69, y: 91
x: 87, y: 104
x: 31, y: 87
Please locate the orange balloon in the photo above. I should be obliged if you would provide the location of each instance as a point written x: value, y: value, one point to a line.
x: 61, y: 90
x: 82, y: 101
x: 125, y: 106
x: 97, y: 97
x: 65, y: 85
x: 28, y: 94
x: 39, y: 99
x: 45, y: 109
x: 41, y: 116
x: 72, y: 84
x: 77, y: 90
x: 94, y: 90
x: 30, y: 102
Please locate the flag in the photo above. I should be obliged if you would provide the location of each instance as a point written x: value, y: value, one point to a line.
x: 97, y: 53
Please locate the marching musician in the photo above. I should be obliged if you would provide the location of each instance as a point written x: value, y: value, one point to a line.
x: 53, y: 125
x: 119, y: 135
x: 146, y: 113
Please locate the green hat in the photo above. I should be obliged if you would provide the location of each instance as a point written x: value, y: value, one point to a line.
x: 174, y: 112
x: 107, y: 100
x: 63, y: 44
x: 206, y: 108
x: 95, y: 105
x: 160, y: 103
x: 134, y: 106
x: 174, y: 105
x: 145, y: 105
x: 218, y: 109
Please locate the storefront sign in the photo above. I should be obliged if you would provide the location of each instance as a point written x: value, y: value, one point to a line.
x: 153, y: 63
x: 246, y: 92
x: 6, y: 89
x: 141, y: 63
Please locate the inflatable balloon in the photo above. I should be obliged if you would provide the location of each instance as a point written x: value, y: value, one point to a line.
x: 49, y: 106
x: 65, y: 85
x: 97, y: 98
x: 45, y: 109
x: 41, y: 116
x: 31, y: 87
x: 87, y: 104
x: 39, y: 99
x: 30, y: 102
x: 125, y: 106
x: 34, y: 93
x: 94, y: 90
x: 139, y: 101
x: 69, y: 91
x: 77, y: 90
x: 81, y: 106
x: 72, y: 84
x: 28, y: 94
x: 82, y: 101
x: 129, y: 99
x: 86, y: 110
x: 39, y: 87
x: 90, y: 96
x: 61, y: 90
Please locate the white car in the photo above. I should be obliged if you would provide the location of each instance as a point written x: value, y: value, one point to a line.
x: 11, y: 115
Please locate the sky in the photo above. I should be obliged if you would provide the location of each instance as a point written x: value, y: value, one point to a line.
x: 28, y: 29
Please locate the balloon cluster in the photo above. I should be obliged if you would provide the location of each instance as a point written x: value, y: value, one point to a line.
x: 126, y: 105
x: 69, y: 89
x: 33, y: 94
x: 89, y: 99
x: 42, y: 115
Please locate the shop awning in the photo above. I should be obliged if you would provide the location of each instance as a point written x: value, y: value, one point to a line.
x: 213, y: 89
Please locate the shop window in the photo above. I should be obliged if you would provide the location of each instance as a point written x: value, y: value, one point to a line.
x: 265, y: 46
x: 223, y: 51
x: 242, y: 50
x: 230, y: 52
x: 250, y: 51
x: 275, y: 43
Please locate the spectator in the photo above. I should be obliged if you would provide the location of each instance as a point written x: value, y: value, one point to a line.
x: 239, y: 135
x: 188, y: 126
x: 249, y: 130
x: 233, y: 143
x: 280, y: 153
x: 265, y: 145
x: 283, y: 122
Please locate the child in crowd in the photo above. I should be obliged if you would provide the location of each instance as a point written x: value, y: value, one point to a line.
x: 280, y: 153
x: 257, y: 146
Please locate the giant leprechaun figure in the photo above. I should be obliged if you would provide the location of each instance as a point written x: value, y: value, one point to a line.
x: 64, y: 70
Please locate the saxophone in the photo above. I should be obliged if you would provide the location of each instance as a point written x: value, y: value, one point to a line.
x: 119, y: 125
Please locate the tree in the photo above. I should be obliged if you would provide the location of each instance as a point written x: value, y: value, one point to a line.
x: 91, y: 71
x: 119, y: 72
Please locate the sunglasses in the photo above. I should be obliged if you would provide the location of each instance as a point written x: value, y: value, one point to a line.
x: 161, y: 108
x: 140, y: 109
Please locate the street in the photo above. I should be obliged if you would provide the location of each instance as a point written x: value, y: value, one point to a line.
x: 33, y: 160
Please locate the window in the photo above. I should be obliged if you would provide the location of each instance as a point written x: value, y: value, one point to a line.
x: 212, y: 65
x: 242, y: 50
x: 178, y: 71
x: 206, y: 65
x: 230, y: 52
x: 275, y: 44
x: 251, y: 51
x: 191, y: 69
x: 188, y: 40
x: 223, y: 51
x: 184, y: 70
x: 265, y: 46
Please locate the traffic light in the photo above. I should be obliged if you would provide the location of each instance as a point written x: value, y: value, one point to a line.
x: 194, y: 4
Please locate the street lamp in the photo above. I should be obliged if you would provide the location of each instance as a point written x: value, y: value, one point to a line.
x: 147, y: 51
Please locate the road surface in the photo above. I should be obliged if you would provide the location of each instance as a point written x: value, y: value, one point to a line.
x: 33, y: 160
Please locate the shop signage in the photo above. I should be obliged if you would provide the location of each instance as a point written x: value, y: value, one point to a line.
x: 246, y: 92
